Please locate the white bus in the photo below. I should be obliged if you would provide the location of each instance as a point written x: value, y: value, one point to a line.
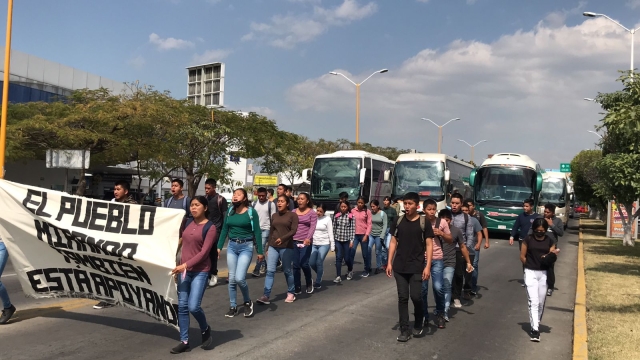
x: 358, y: 173
x: 556, y: 190
x: 432, y: 176
x: 500, y: 186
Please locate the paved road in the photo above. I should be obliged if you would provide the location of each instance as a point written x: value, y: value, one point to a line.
x: 355, y: 320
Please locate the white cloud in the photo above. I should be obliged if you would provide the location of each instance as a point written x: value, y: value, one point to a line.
x: 285, y: 31
x: 137, y: 62
x: 634, y: 4
x: 209, y: 56
x: 522, y: 92
x: 169, y: 43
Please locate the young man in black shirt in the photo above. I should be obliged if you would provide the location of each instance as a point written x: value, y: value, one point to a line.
x: 217, y: 211
x: 411, y: 243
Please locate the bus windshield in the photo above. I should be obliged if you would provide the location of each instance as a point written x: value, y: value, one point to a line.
x: 423, y: 177
x: 553, y: 191
x: 330, y: 177
x: 504, y: 186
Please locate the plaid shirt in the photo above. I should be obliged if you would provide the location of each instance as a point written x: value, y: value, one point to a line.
x: 344, y: 228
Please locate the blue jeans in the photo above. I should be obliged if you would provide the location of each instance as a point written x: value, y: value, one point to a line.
x: 4, y: 295
x: 364, y: 247
x: 301, y: 261
x: 238, y: 260
x: 447, y: 285
x: 474, y: 275
x: 343, y: 253
x: 377, y: 242
x: 265, y: 240
x: 437, y: 267
x: 316, y: 261
x: 190, y: 292
x: 286, y: 255
x: 385, y: 249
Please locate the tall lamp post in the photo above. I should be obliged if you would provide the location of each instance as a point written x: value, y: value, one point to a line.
x: 358, y: 97
x: 593, y: 132
x: 440, y: 131
x: 472, y: 146
x: 5, y: 89
x: 630, y: 31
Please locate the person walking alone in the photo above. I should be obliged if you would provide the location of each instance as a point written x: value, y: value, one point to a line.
x: 284, y: 225
x: 555, y: 231
x: 535, y: 248
x: 322, y: 242
x: 191, y: 274
x: 242, y: 226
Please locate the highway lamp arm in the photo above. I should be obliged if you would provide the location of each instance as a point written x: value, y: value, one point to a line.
x: 376, y: 72
x: 341, y: 74
x: 479, y: 142
x: 465, y: 142
x: 613, y: 21
x: 431, y: 121
x: 593, y: 132
x: 454, y: 119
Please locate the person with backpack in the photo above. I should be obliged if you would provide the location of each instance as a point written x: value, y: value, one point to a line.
x: 192, y: 271
x: 485, y: 232
x: 362, y: 217
x: 282, y: 190
x: 344, y: 231
x: 284, y: 225
x: 322, y: 242
x: 465, y: 224
x: 537, y: 253
x: 450, y: 253
x: 178, y: 200
x: 411, y: 244
x: 302, y: 240
x: 242, y: 226
x: 218, y: 208
x: 392, y: 216
x: 475, y: 244
x: 378, y: 232
x: 554, y: 231
x: 442, y: 234
x: 265, y: 210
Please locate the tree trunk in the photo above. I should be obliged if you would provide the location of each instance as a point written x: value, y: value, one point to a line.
x: 190, y: 182
x: 82, y: 184
x: 627, y: 239
x: 138, y: 172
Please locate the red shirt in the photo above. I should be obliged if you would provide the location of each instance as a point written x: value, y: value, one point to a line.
x: 195, y: 250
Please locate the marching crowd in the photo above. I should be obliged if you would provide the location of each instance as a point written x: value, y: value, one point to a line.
x: 441, y: 248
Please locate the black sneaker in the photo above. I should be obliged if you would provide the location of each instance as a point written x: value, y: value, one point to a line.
x: 404, y: 336
x: 298, y: 291
x: 426, y: 323
x: 376, y: 271
x: 102, y: 305
x: 232, y: 312
x: 417, y: 331
x: 549, y: 292
x: 535, y: 336
x: 207, y: 340
x: 7, y: 314
x: 441, y: 322
x: 248, y: 309
x: 182, y: 347
x: 256, y: 272
x: 309, y: 289
x: 473, y: 293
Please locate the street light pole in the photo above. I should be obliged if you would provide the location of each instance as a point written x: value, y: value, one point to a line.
x: 593, y: 132
x: 472, y: 146
x: 630, y: 31
x: 440, y: 131
x: 382, y: 71
x: 5, y: 89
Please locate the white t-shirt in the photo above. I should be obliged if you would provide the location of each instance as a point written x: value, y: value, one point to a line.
x: 263, y: 213
x: 324, y: 232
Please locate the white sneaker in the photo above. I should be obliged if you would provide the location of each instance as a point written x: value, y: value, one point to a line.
x: 213, y: 281
x: 456, y: 303
x: 338, y: 280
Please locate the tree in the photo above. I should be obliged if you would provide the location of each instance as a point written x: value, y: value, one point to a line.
x: 619, y: 177
x: 290, y: 155
x: 585, y: 177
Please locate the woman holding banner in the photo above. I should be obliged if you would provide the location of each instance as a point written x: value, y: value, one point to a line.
x: 242, y: 225
x: 192, y: 274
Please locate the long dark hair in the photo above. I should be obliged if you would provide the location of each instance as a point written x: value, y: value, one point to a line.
x: 345, y: 202
x: 202, y: 200
x: 246, y: 199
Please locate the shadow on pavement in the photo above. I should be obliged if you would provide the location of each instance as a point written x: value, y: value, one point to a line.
x: 614, y: 268
x: 554, y: 308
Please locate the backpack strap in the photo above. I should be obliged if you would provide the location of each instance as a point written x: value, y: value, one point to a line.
x: 186, y: 202
x: 438, y: 221
x: 219, y: 201
x: 466, y: 224
x: 269, y: 211
x: 205, y: 229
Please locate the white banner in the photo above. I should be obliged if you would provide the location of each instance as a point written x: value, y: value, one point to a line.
x: 69, y: 246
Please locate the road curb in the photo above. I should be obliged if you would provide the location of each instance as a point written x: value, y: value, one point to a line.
x: 580, y: 347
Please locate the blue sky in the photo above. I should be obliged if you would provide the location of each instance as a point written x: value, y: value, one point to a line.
x: 514, y: 71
